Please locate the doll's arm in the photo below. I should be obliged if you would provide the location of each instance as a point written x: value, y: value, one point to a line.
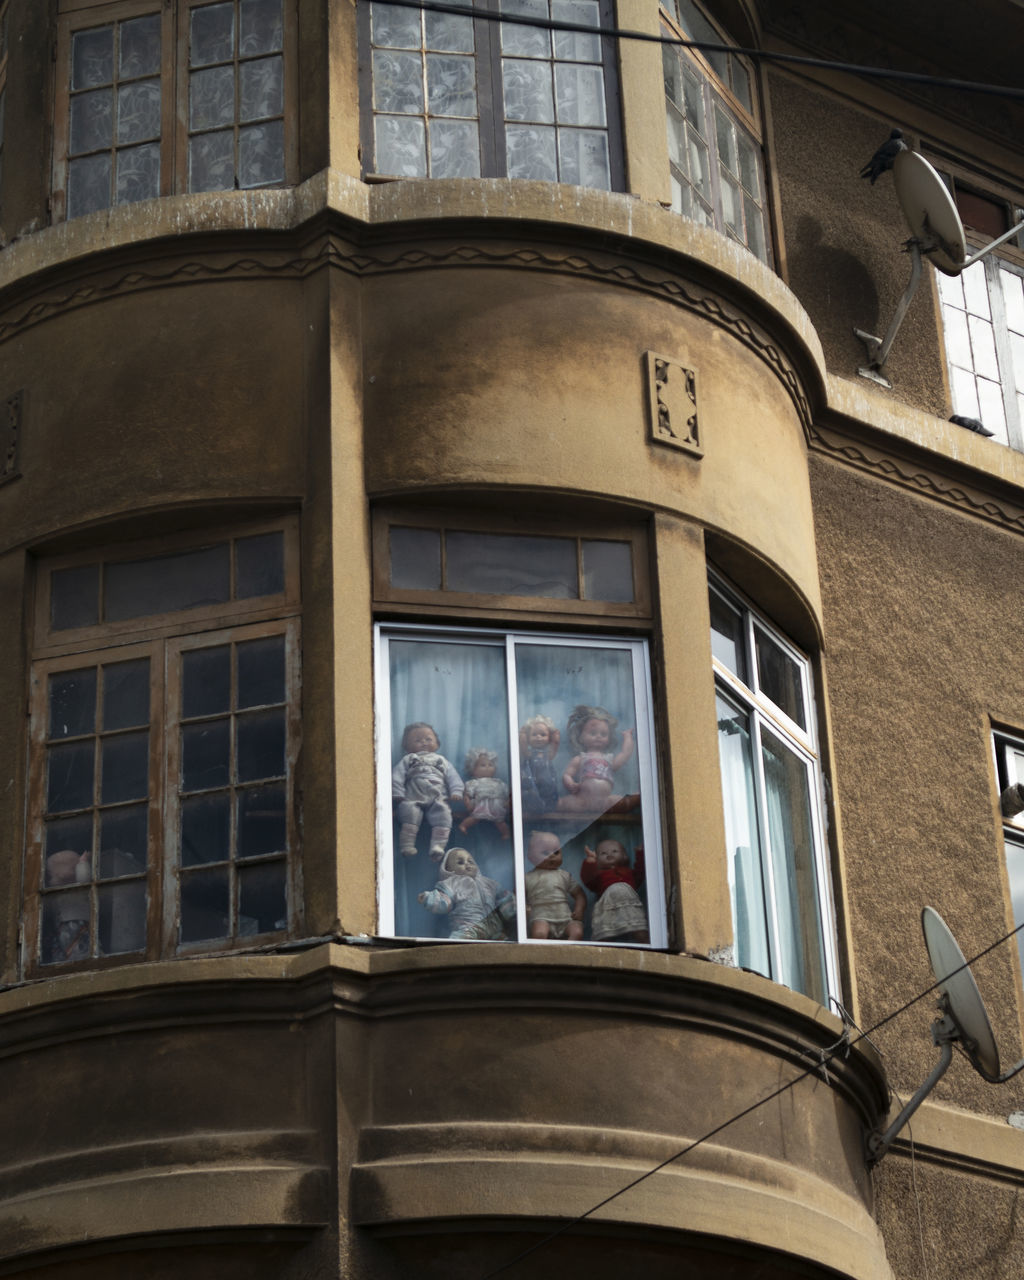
x: 588, y: 869
x: 453, y: 783
x: 398, y: 774
x: 569, y: 777
x: 579, y: 901
x: 626, y: 750
x: 436, y: 900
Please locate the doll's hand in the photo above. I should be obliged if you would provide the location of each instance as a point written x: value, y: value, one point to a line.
x: 422, y: 897
x: 591, y: 853
x: 570, y: 784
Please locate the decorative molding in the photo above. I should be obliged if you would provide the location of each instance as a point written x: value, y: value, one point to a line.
x: 10, y: 436
x: 96, y: 285
x: 672, y: 404
x: 920, y: 480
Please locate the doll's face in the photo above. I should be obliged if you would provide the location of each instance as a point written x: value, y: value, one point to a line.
x: 595, y: 735
x: 484, y: 769
x: 610, y: 853
x: 461, y: 863
x: 546, y: 843
x: 421, y: 739
x: 538, y: 736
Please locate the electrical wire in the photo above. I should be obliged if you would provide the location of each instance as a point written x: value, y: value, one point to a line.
x: 709, y: 46
x: 827, y: 1056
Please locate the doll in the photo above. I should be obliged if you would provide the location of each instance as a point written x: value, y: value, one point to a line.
x: 479, y: 907
x: 549, y: 890
x: 424, y: 782
x: 619, y: 915
x: 589, y: 775
x: 538, y: 746
x: 486, y: 795
x: 68, y: 918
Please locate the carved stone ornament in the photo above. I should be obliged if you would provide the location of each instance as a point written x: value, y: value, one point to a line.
x: 672, y: 404
x: 10, y: 429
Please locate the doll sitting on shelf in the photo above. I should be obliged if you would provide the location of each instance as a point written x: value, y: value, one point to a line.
x: 486, y: 796
x: 478, y: 906
x: 549, y: 891
x: 618, y: 915
x: 590, y: 775
x: 538, y: 746
x: 424, y: 783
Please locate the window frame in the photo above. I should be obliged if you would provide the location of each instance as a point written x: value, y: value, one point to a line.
x: 506, y: 639
x: 802, y: 740
x: 162, y: 639
x: 81, y: 15
x: 488, y: 81
x: 1008, y: 758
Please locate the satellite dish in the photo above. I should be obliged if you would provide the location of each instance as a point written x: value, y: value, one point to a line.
x: 930, y: 212
x: 956, y: 982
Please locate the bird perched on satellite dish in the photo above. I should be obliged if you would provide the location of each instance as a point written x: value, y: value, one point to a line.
x: 882, y: 160
x: 972, y: 424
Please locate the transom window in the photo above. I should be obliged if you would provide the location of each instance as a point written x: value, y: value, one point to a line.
x: 452, y: 96
x: 185, y: 96
x: 164, y: 729
x: 777, y: 866
x: 715, y: 156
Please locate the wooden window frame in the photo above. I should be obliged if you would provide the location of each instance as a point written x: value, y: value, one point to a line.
x: 162, y: 639
x: 487, y: 60
x: 79, y: 15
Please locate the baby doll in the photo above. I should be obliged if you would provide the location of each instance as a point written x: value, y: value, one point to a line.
x: 619, y: 915
x: 69, y: 930
x: 423, y: 782
x: 538, y: 746
x: 479, y: 907
x: 486, y: 795
x: 589, y: 775
x: 548, y: 891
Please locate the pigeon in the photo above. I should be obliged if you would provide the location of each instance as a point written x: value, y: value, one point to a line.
x: 972, y: 424
x: 882, y: 160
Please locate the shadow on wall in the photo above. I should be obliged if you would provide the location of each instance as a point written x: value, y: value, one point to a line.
x: 836, y: 289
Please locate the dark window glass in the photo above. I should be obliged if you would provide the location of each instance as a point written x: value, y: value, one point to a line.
x: 608, y: 571
x: 261, y: 676
x: 73, y: 703
x: 206, y: 682
x: 205, y: 829
x: 415, y: 559
x: 166, y: 584
x: 498, y: 564
x: 126, y: 694
x: 259, y: 566
x: 74, y: 597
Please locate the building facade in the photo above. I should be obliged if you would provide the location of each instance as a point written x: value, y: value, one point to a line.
x: 490, y: 672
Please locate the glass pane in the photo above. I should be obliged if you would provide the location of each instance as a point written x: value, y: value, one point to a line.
x: 700, y: 170
x: 205, y: 755
x: 951, y: 290
x: 976, y: 290
x: 415, y: 559
x: 125, y: 767
x: 742, y: 840
x: 527, y: 90
x: 965, y: 391
x: 211, y: 162
x: 261, y: 154
x: 448, y: 33
x: 991, y: 409
x: 205, y: 829
x: 140, y: 47
x: 1015, y: 872
x: 446, y: 699
x: 983, y: 348
x: 261, y: 743
x: 401, y: 146
x: 607, y: 571
x: 732, y: 207
x: 68, y: 851
x: 957, y: 334
x: 205, y: 682
x: 454, y: 149
x: 749, y: 158
x: 65, y: 927
x: 166, y: 584
x: 530, y: 153
x: 756, y: 240
x: 74, y: 597
x: 787, y: 799
x: 397, y: 82
x: 123, y: 842
x: 212, y: 98
x: 126, y: 694
x: 725, y: 136
x: 213, y: 34
x: 780, y: 677
x: 261, y: 672
x: 92, y: 121
x: 395, y: 28
x: 138, y: 111
x: 138, y: 173
x: 205, y: 909
x: 88, y: 185
x: 676, y: 139
x: 259, y: 566
x: 741, y: 83
x: 92, y: 57
x: 727, y: 640
x: 261, y: 88
x: 451, y: 85
x: 262, y: 823
x: 1013, y: 299
x: 122, y: 917
x: 574, y: 46
x: 583, y: 158
x: 72, y: 702
x: 261, y: 27
x: 262, y: 905
x: 579, y: 94
x: 526, y: 41
x: 498, y: 564
x: 69, y: 780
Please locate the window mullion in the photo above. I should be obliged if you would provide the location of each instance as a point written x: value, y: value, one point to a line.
x: 767, y: 858
x: 490, y: 93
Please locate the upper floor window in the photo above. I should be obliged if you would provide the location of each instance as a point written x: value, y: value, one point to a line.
x: 777, y: 864
x: 164, y: 732
x: 517, y: 785
x: 156, y: 99
x: 453, y: 96
x: 1010, y: 774
x: 714, y: 143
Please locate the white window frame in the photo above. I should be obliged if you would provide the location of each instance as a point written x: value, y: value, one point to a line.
x: 645, y: 753
x: 1009, y: 761
x: 803, y: 742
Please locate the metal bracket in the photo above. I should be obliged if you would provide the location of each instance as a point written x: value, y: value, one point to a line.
x: 878, y: 348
